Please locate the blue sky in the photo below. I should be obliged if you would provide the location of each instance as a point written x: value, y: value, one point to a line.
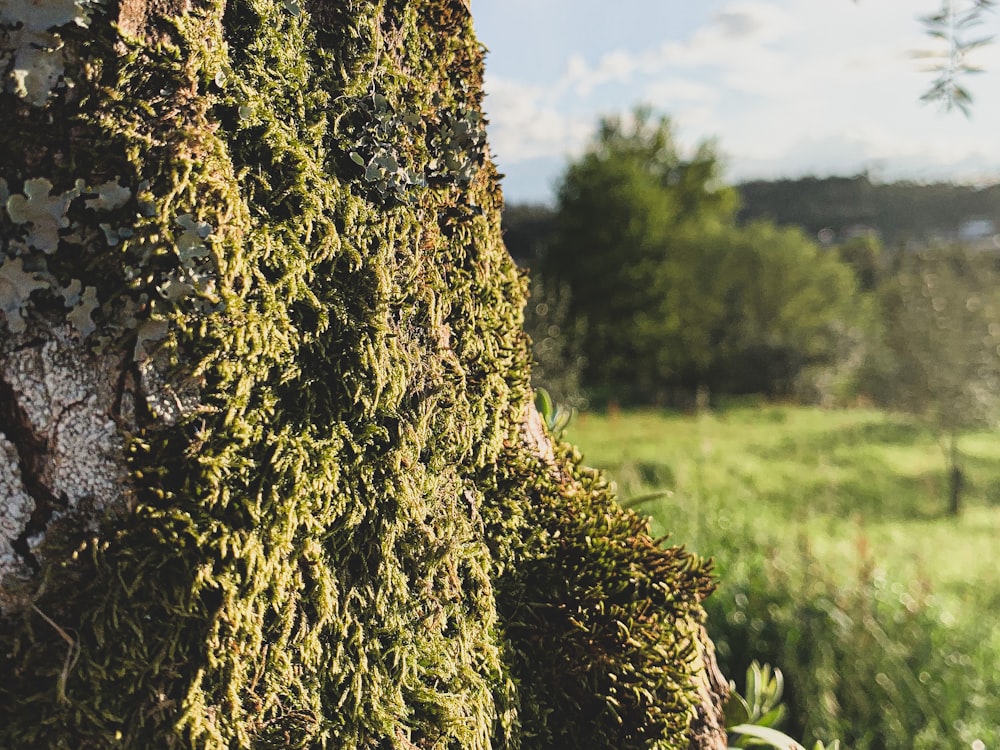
x: 783, y: 87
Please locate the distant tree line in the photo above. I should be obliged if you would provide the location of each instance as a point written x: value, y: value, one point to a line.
x: 897, y: 212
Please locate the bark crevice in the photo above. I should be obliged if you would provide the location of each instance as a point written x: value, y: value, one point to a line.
x: 60, y: 443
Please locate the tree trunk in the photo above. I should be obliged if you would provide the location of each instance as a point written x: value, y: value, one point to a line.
x: 955, y: 491
x: 270, y: 472
x: 956, y: 477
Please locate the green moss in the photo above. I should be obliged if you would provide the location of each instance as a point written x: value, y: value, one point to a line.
x: 335, y: 547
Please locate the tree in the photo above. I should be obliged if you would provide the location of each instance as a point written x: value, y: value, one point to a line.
x: 676, y: 297
x: 270, y: 474
x: 788, y: 303
x: 850, y: 208
x: 942, y: 327
x: 557, y: 364
x: 629, y: 216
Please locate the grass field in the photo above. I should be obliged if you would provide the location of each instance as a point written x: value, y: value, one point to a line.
x: 846, y: 506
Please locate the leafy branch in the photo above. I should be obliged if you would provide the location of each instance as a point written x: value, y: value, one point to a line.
x: 954, y: 25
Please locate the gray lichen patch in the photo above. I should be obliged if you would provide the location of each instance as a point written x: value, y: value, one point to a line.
x: 16, y: 507
x: 16, y: 285
x: 37, y: 51
x: 61, y: 449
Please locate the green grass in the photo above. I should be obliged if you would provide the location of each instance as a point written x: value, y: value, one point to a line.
x: 856, y: 484
x: 845, y: 508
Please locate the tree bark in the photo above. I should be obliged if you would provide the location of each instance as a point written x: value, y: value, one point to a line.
x: 269, y: 468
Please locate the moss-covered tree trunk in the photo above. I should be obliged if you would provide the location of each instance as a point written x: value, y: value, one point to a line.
x: 268, y: 469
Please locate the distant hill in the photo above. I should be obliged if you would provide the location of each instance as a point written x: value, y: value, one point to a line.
x: 898, y: 211
x: 830, y: 209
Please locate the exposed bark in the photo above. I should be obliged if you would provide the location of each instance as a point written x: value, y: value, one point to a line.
x: 65, y: 451
x: 708, y: 731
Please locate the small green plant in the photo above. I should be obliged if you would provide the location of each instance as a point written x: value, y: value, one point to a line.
x: 751, y: 720
x: 555, y: 416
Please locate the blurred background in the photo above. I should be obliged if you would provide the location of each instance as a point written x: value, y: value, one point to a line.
x: 762, y: 240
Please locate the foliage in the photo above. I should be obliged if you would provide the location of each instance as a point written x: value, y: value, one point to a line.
x: 752, y: 718
x: 555, y: 416
x: 864, y: 254
x: 788, y: 303
x: 629, y: 214
x: 941, y: 316
x: 675, y: 297
x: 865, y: 660
x: 760, y: 703
x: 527, y: 231
x: 345, y: 541
x: 834, y: 559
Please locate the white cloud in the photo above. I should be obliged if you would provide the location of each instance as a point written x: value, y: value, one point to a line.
x: 526, y: 124
x: 581, y: 79
x: 677, y: 89
x: 734, y: 38
x: 759, y: 21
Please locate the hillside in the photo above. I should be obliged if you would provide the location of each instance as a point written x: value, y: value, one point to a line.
x: 897, y: 211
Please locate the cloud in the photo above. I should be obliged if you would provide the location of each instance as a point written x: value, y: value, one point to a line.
x: 525, y: 122
x: 582, y: 79
x: 886, y: 152
x: 678, y: 89
x: 736, y: 24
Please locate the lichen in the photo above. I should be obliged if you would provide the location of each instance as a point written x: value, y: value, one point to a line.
x: 37, y: 57
x: 44, y: 213
x: 16, y: 507
x: 110, y: 196
x: 16, y: 286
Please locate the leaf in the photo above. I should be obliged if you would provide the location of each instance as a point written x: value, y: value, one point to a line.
x: 544, y: 405
x: 737, y: 711
x: 772, y: 718
x: 771, y: 736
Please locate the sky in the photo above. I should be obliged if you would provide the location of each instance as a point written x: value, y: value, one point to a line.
x: 784, y: 88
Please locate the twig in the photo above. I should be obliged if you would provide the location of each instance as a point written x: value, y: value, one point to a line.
x: 72, y: 655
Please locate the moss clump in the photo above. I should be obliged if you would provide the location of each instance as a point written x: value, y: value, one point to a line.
x: 601, y: 621
x: 341, y: 537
